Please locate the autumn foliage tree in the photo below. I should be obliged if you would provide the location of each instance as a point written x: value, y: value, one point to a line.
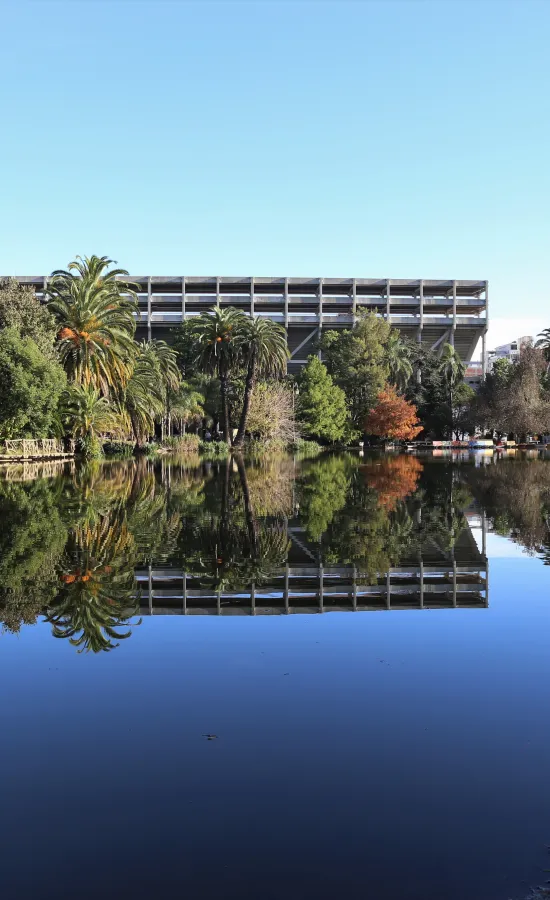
x: 393, y: 417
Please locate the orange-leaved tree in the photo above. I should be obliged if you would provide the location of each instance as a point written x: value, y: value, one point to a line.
x: 393, y: 417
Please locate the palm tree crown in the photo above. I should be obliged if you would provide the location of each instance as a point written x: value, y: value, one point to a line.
x: 96, y: 316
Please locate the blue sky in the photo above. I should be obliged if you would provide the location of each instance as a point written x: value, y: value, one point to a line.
x: 368, y: 139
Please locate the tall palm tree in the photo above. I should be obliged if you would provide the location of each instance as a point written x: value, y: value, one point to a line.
x: 86, y: 416
x: 95, y: 313
x: 264, y: 349
x: 452, y: 369
x: 398, y: 357
x: 219, y: 335
x: 143, y: 397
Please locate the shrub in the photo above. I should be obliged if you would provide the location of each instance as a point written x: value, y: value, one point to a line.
x: 185, y: 443
x: 306, y: 448
x: 123, y: 449
x: 214, y: 450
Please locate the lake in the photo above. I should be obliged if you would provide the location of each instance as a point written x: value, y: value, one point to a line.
x: 316, y: 678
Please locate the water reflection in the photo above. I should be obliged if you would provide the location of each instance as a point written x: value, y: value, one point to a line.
x: 93, y: 548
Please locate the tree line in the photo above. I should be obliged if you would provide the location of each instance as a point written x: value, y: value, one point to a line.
x: 72, y: 368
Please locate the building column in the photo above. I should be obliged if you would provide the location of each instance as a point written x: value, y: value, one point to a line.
x: 453, y: 329
x: 320, y: 313
x: 388, y: 303
x: 252, y: 297
x: 218, y: 291
x: 286, y: 303
x: 183, y: 299
x: 484, y: 354
x: 420, y: 331
x: 149, y: 309
x: 354, y: 300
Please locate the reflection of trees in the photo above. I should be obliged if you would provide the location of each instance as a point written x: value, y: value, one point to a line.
x: 516, y: 497
x: 368, y: 515
x: 227, y: 546
x: 98, y: 593
x: 393, y: 478
x: 323, y: 492
x: 32, y: 538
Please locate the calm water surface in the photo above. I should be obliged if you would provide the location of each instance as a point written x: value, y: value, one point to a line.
x: 365, y: 641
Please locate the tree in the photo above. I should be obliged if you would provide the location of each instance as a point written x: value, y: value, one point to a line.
x: 393, y: 417
x: 357, y: 361
x: 399, y: 359
x: 514, y: 398
x: 543, y: 343
x: 21, y: 309
x: 463, y: 398
x: 219, y: 334
x: 30, y: 387
x: 95, y: 311
x: 429, y: 392
x: 322, y: 409
x: 87, y: 416
x: 271, y: 414
x: 452, y: 369
x: 264, y: 350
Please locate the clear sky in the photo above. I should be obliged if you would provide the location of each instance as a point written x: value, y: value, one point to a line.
x: 368, y: 139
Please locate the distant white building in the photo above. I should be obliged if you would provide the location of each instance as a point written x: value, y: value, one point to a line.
x: 511, y: 351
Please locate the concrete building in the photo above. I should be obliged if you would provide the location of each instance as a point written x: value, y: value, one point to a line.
x: 433, y: 312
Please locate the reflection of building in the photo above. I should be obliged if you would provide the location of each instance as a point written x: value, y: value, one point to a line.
x: 433, y: 312
x: 511, y: 351
x: 430, y: 579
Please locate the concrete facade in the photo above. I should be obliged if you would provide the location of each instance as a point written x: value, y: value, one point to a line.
x: 433, y: 312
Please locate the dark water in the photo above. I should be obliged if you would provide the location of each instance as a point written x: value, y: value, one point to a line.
x: 404, y: 754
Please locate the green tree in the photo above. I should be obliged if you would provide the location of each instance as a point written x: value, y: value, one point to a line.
x: 264, y: 351
x: 21, y: 309
x: 452, y: 370
x: 95, y: 311
x: 30, y: 387
x: 219, y: 334
x: 399, y: 358
x: 87, y: 417
x: 322, y: 409
x: 358, y: 362
x: 32, y: 541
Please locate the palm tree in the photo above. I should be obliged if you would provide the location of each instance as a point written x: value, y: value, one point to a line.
x: 264, y: 348
x: 96, y: 318
x: 143, y: 397
x: 543, y: 344
x: 452, y: 369
x: 184, y: 405
x: 219, y: 335
x: 86, y: 415
x: 398, y: 356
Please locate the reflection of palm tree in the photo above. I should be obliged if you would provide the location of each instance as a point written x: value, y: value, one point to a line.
x: 233, y: 550
x: 98, y: 593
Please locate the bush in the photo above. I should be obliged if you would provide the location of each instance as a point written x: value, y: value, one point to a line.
x: 214, y: 450
x: 185, y: 443
x: 123, y: 449
x: 306, y: 448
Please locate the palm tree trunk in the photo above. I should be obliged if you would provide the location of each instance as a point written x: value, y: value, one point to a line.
x: 248, y: 512
x: 224, y: 385
x: 248, y: 388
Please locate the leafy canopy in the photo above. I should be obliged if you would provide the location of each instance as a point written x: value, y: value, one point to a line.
x: 322, y: 409
x: 30, y: 387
